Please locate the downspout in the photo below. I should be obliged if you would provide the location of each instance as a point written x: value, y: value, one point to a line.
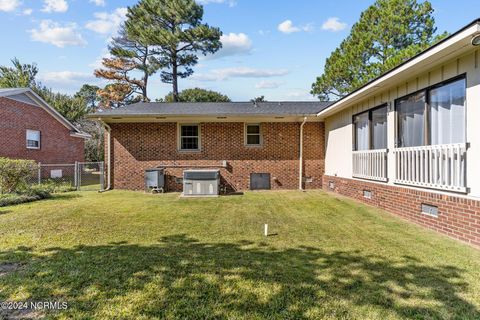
x: 300, y: 160
x: 108, y: 130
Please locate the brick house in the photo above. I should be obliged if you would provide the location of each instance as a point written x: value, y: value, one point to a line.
x: 31, y: 129
x: 240, y: 139
x: 408, y: 141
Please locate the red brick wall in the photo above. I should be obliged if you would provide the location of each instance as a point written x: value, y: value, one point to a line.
x: 56, y: 146
x: 457, y: 217
x: 138, y: 146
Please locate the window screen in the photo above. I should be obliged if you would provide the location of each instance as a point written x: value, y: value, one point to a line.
x: 411, y: 120
x: 362, y: 135
x: 447, y: 113
x: 379, y: 128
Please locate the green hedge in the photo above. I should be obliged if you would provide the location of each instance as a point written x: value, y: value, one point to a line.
x: 29, y: 195
x: 14, y: 174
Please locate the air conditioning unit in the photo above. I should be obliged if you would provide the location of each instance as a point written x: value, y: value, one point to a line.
x: 155, y: 180
x: 201, y: 183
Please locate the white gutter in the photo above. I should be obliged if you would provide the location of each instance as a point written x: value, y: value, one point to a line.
x: 108, y: 131
x: 300, y: 160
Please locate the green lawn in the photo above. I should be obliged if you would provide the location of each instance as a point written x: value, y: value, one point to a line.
x: 126, y: 255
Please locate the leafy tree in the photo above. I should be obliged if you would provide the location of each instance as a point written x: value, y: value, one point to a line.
x: 129, y: 58
x: 18, y: 76
x: 90, y: 95
x: 388, y: 33
x: 94, y: 147
x: 72, y: 108
x: 175, y: 29
x: 258, y: 99
x: 198, y: 95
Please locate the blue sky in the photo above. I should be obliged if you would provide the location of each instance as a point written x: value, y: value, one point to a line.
x: 274, y: 48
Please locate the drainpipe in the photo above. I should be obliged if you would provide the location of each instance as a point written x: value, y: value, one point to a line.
x: 108, y: 131
x: 300, y: 160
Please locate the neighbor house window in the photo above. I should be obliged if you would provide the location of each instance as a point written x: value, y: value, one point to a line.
x: 253, y: 135
x: 433, y: 116
x: 370, y: 129
x: 33, y: 139
x: 189, y: 137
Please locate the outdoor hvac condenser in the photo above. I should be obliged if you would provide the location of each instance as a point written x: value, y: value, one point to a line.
x: 155, y: 180
x: 201, y: 182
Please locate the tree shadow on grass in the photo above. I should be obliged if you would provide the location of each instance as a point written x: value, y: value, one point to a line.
x: 184, y: 278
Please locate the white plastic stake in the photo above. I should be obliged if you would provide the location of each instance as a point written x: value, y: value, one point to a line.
x: 266, y: 230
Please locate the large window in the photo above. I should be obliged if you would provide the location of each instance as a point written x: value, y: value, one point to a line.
x: 433, y: 116
x: 33, y: 139
x: 253, y: 136
x: 370, y: 129
x: 189, y: 137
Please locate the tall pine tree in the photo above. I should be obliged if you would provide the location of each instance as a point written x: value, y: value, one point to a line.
x: 388, y: 33
x: 175, y: 30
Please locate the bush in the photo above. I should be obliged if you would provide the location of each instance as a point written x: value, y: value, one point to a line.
x: 54, y: 186
x: 14, y: 198
x: 14, y: 174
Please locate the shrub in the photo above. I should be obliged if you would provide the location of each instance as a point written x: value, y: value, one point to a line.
x: 13, y: 198
x: 33, y: 193
x: 14, y: 174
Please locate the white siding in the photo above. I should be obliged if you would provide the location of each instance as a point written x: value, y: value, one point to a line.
x: 339, y: 126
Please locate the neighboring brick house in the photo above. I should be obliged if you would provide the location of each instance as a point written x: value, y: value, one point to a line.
x: 408, y: 141
x: 31, y: 129
x: 240, y: 139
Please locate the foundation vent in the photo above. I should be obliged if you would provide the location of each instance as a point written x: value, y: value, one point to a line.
x: 429, y: 210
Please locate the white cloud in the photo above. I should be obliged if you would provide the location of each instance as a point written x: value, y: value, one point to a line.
x: 231, y: 3
x: 334, y: 24
x: 99, y: 3
x: 268, y: 84
x: 233, y: 44
x: 239, y: 72
x: 61, y: 77
x: 55, y: 6
x: 288, y: 27
x: 9, y: 5
x: 107, y: 23
x: 58, y: 35
x: 27, y: 11
x: 298, y: 95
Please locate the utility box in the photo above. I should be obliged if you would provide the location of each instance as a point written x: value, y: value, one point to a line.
x: 201, y: 183
x: 155, y: 180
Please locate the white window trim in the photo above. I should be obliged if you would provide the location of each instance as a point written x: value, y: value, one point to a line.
x: 179, y: 137
x: 39, y: 139
x: 245, y: 134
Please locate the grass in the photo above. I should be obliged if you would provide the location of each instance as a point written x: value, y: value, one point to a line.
x: 126, y: 255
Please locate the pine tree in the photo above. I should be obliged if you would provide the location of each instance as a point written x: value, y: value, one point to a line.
x: 175, y: 30
x: 388, y: 33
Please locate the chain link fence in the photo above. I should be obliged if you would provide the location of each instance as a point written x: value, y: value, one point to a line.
x: 82, y: 176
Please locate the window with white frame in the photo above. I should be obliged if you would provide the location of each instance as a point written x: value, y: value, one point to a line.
x: 370, y: 129
x: 33, y: 139
x: 432, y: 116
x: 189, y: 137
x: 253, y: 135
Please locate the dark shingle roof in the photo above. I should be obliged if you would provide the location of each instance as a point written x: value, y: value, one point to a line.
x: 286, y: 108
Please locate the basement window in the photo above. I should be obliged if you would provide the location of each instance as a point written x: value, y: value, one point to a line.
x: 253, y: 135
x: 33, y: 139
x: 429, y: 210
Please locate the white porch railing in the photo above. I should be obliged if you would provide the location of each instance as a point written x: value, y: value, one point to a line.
x: 439, y: 166
x: 370, y: 164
